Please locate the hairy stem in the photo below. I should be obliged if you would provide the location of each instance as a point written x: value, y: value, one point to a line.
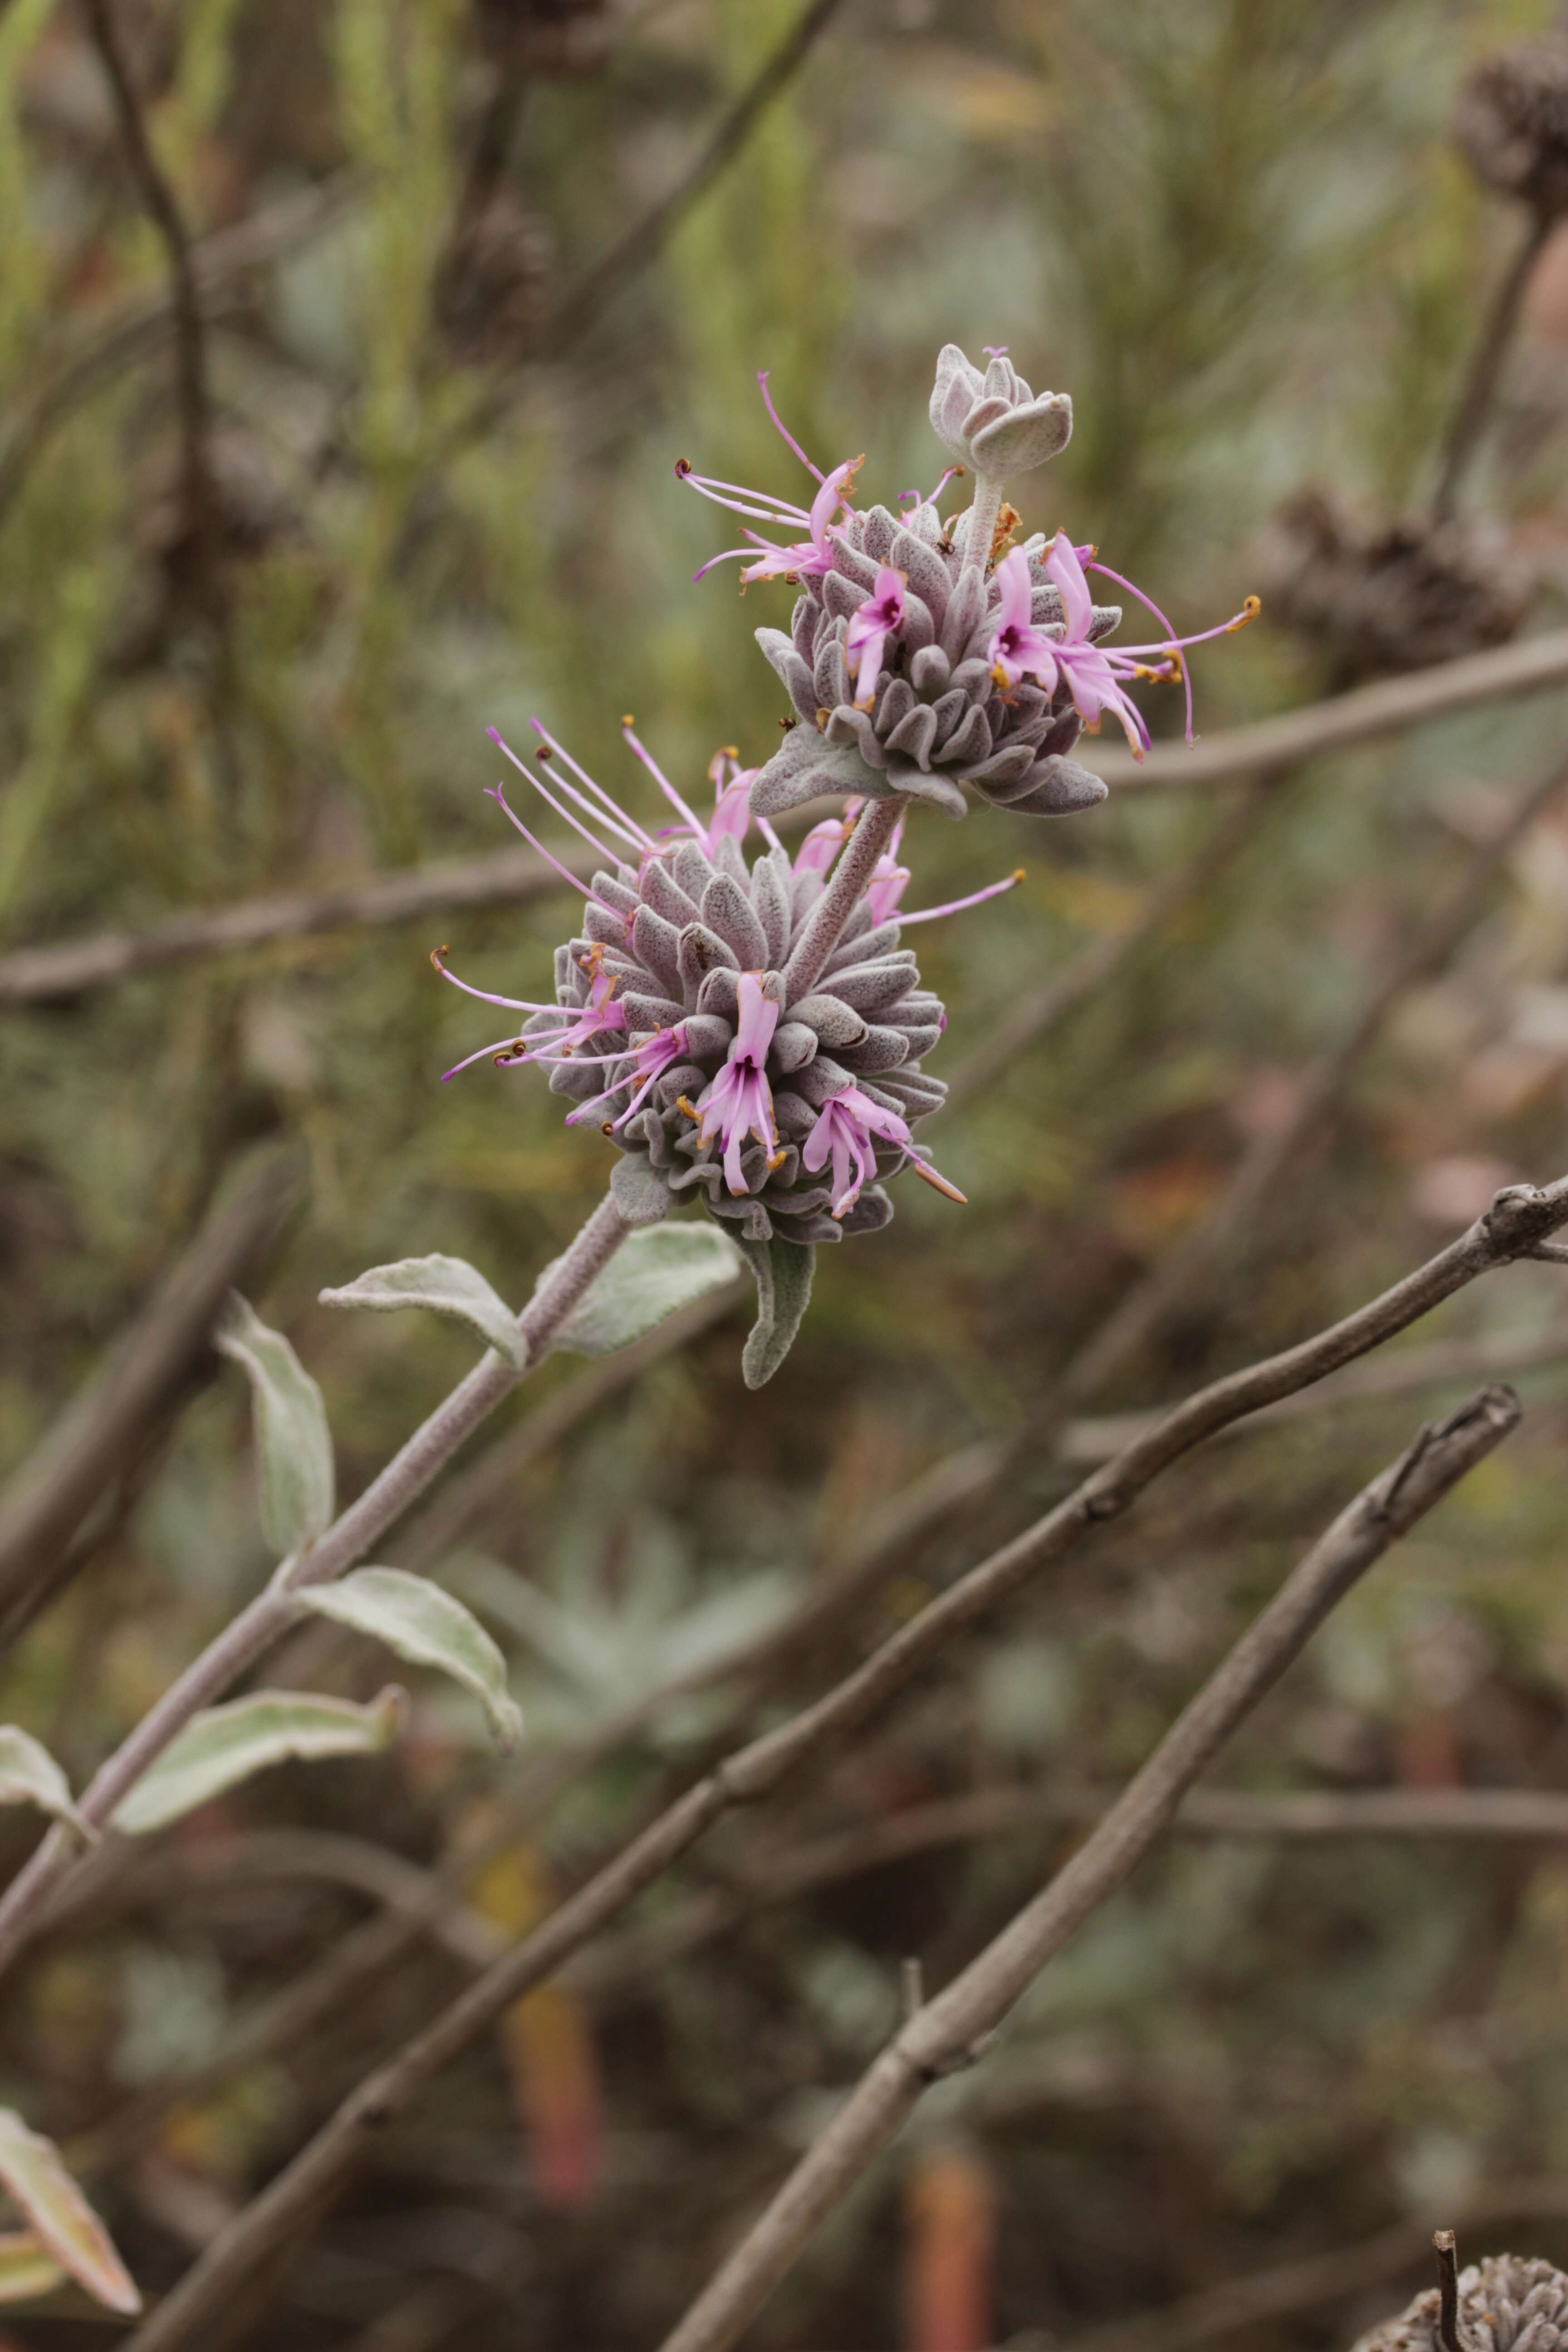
x: 858, y: 861
x: 982, y: 517
x: 243, y: 1640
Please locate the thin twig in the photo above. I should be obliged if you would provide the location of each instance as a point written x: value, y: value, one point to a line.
x: 38, y: 973
x: 1443, y: 2246
x: 298, y: 2195
x: 504, y: 878
x: 946, y: 2031
x: 145, y: 1373
x: 190, y: 334
x: 584, y: 302
x: 1529, y: 1816
x: 1225, y: 1229
x: 1499, y: 1356
x: 1366, y: 712
x: 1089, y: 973
x: 1492, y: 342
x: 134, y: 328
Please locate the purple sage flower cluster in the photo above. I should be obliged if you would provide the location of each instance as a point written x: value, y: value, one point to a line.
x: 737, y: 1050
x: 750, y: 1031
x: 923, y: 656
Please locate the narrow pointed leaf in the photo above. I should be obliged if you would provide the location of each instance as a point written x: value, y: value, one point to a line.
x: 61, y: 2217
x: 28, y: 2270
x: 29, y: 1776
x: 784, y: 1272
x: 293, y: 1443
x: 444, y: 1285
x: 430, y: 1628
x: 225, y: 1745
x: 652, y: 1274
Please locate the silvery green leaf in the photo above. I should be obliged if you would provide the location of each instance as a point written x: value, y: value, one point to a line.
x: 430, y: 1628
x: 225, y: 1745
x: 446, y: 1286
x: 652, y: 1274
x: 62, y: 2221
x: 1026, y: 437
x: 29, y: 1776
x: 639, y: 1191
x: 783, y: 1271
x: 293, y: 1443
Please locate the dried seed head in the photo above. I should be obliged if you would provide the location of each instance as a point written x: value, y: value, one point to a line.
x: 1400, y: 597
x: 1507, y: 2303
x: 1512, y: 123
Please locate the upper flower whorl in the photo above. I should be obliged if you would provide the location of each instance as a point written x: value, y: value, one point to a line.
x: 935, y: 720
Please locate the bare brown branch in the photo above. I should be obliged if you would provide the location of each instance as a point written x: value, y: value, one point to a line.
x: 1225, y: 1229
x: 1517, y: 1219
x: 1361, y: 716
x: 190, y: 334
x: 507, y: 878
x: 584, y: 302
x: 134, y: 328
x: 36, y: 975
x: 1492, y: 342
x: 945, y: 2033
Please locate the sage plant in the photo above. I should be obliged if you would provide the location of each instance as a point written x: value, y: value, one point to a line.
x: 748, y: 1032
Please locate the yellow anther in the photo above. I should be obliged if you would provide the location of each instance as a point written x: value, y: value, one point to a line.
x: 1249, y: 612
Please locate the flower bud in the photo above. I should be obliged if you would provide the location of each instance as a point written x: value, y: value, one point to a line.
x: 994, y: 422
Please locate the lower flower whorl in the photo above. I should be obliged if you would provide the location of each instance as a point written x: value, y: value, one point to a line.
x: 710, y: 1071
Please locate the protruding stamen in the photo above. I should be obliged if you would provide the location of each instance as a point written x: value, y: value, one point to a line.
x: 640, y: 751
x: 958, y: 905
x: 938, y: 1182
x: 787, y: 438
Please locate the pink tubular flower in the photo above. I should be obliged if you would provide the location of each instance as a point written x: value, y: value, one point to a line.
x: 1019, y: 650
x: 739, y: 1103
x: 889, y: 881
x: 731, y: 798
x: 1094, y: 673
x: 869, y: 628
x: 649, y: 1057
x: 845, y: 1127
x: 822, y: 845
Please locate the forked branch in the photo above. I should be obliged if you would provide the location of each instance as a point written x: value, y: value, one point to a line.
x: 947, y: 2033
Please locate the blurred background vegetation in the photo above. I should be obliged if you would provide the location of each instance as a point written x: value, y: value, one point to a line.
x: 441, y: 438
